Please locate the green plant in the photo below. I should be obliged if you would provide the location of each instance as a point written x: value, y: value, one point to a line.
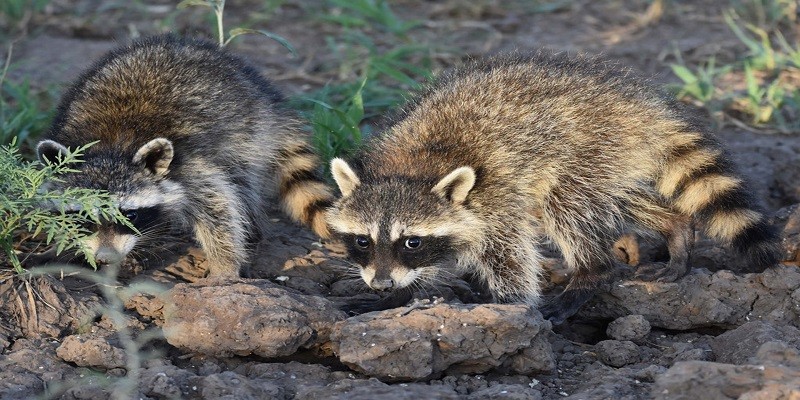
x: 24, y: 114
x: 368, y: 14
x: 218, y: 6
x: 769, y: 97
x: 377, y: 66
x: 698, y: 84
x: 761, y: 55
x: 336, y: 127
x: 62, y: 217
x: 769, y: 72
x: 17, y: 13
x: 767, y: 14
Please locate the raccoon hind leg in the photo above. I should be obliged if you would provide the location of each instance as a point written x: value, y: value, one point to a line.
x: 679, y: 234
x: 649, y: 214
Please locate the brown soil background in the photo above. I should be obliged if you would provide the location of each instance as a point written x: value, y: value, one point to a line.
x: 712, y: 335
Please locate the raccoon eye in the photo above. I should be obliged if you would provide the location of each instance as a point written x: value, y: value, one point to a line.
x: 413, y: 243
x: 362, y: 242
x: 131, y: 215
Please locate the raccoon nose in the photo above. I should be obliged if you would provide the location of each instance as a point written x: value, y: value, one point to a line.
x: 381, y: 284
x: 105, y: 256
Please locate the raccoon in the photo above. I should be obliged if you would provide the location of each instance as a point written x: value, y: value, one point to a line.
x: 188, y: 137
x: 500, y: 156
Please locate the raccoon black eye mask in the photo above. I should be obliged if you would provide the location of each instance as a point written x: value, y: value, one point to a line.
x: 495, y: 157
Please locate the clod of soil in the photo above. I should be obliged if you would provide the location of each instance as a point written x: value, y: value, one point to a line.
x: 630, y: 327
x: 399, y: 345
x: 703, y: 299
x: 711, y: 380
x: 243, y: 318
x: 91, y: 350
x: 739, y: 345
x: 617, y: 353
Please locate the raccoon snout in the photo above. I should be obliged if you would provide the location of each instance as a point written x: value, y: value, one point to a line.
x: 108, y: 256
x: 382, y: 284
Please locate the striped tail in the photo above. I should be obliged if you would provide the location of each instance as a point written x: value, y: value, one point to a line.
x: 702, y: 182
x: 303, y: 194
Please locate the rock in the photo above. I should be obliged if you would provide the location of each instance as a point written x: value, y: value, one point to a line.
x: 167, y: 381
x: 711, y: 380
x: 649, y: 373
x: 91, y: 350
x: 400, y: 345
x: 506, y: 392
x: 36, y: 356
x: 739, y: 345
x: 146, y: 305
x: 245, y: 317
x: 617, y: 353
x: 230, y: 385
x: 535, y: 359
x: 703, y: 299
x: 629, y: 327
x: 353, y: 389
x: 779, y: 353
x: 291, y: 376
x: 693, y: 354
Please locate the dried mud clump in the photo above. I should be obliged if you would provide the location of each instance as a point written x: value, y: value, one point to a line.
x: 704, y: 299
x: 710, y: 380
x: 91, y: 351
x: 243, y: 318
x: 630, y: 327
x: 400, y: 345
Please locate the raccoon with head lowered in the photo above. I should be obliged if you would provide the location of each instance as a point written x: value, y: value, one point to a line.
x: 188, y: 136
x: 501, y: 155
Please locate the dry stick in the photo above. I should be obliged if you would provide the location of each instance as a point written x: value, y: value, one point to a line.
x: 32, y: 304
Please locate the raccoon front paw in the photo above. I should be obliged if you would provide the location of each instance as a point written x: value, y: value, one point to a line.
x: 565, y: 305
x: 661, y: 272
x: 396, y: 299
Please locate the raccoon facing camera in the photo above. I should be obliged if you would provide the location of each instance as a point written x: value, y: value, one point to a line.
x: 497, y: 157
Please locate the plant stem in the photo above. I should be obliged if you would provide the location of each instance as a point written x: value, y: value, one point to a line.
x: 219, y: 6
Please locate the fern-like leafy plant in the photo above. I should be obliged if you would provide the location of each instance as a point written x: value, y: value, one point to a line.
x: 61, y: 218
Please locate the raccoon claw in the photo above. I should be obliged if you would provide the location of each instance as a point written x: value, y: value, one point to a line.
x: 660, y: 272
x: 565, y: 305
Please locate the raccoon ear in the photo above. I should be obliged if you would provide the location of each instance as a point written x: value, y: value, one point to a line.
x: 155, y: 155
x: 456, y: 185
x: 345, y: 177
x: 49, y: 151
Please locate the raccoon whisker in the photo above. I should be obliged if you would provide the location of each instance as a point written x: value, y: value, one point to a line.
x: 159, y: 230
x: 351, y: 274
x: 433, y: 275
x: 144, y: 253
x: 346, y: 272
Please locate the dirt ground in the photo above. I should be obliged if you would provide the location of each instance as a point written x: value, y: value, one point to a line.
x: 715, y: 334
